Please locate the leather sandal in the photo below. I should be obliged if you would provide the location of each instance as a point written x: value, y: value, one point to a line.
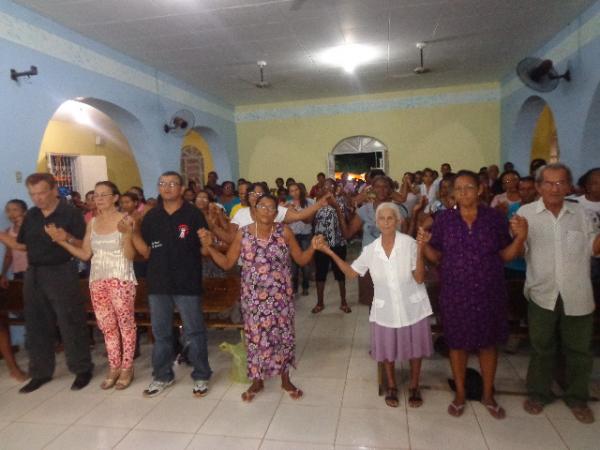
x: 111, y: 378
x: 392, y: 398
x: 295, y: 394
x: 125, y: 379
x: 455, y: 409
x: 414, y: 397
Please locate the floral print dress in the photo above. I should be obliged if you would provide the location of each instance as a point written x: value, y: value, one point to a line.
x: 266, y: 303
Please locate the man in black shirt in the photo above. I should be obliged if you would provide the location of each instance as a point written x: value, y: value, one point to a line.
x: 51, y: 285
x: 169, y: 240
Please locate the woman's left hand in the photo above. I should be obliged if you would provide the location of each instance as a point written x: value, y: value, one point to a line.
x: 519, y: 227
x: 423, y: 237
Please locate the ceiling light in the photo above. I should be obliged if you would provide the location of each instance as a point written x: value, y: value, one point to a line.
x: 348, y: 57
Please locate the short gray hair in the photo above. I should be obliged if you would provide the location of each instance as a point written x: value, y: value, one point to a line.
x: 391, y: 206
x: 539, y: 174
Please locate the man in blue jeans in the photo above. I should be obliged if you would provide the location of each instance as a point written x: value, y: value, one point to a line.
x: 168, y: 239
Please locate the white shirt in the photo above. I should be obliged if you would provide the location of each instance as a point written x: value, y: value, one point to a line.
x: 592, y: 209
x: 557, y: 253
x: 398, y: 301
x: 243, y: 216
x: 432, y: 192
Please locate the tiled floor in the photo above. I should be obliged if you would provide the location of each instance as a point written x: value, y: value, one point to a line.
x: 340, y: 409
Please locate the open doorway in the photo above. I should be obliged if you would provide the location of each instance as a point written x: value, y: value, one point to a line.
x: 357, y: 155
x: 544, y: 144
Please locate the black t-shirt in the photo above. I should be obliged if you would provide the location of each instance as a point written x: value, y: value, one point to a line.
x: 175, y: 263
x: 41, y: 251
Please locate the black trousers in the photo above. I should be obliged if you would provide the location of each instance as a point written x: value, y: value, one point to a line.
x: 53, y: 297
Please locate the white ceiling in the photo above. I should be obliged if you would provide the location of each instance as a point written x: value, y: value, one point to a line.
x: 214, y: 44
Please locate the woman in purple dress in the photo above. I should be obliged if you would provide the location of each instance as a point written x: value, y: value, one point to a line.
x: 267, y: 303
x: 472, y: 243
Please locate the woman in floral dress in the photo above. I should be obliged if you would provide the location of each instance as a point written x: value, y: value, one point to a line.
x: 267, y: 304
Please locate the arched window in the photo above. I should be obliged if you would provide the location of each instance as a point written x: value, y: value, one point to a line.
x: 357, y: 155
x: 192, y: 166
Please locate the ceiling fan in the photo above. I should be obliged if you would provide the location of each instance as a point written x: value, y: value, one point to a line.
x: 262, y: 83
x: 419, y: 70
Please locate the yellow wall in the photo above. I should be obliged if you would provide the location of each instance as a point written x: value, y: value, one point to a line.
x: 195, y: 139
x: 545, y: 142
x: 465, y: 135
x: 73, y: 138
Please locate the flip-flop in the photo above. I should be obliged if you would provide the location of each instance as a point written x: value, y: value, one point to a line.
x: 295, y: 394
x: 496, y: 411
x: 533, y: 407
x: 317, y: 309
x: 456, y: 410
x: 583, y: 413
x: 392, y: 398
x: 415, y: 400
x: 346, y: 309
x: 249, y: 395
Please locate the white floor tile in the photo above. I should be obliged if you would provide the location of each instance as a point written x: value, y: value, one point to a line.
x: 436, y: 431
x: 299, y: 423
x: 363, y: 369
x: 206, y: 441
x: 240, y: 419
x: 520, y: 433
x: 578, y: 435
x: 271, y: 393
x: 364, y: 394
x: 84, y: 437
x: 286, y: 445
x: 64, y: 408
x: 373, y: 427
x: 30, y: 436
x: 318, y: 391
x: 14, y: 404
x: 117, y: 411
x: 181, y: 415
x: 154, y: 440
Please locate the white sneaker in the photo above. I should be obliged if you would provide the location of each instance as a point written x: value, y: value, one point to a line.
x: 156, y: 387
x: 200, y: 388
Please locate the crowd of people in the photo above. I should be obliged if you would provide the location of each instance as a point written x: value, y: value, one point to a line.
x: 470, y: 230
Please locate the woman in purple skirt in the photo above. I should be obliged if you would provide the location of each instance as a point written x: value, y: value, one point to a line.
x: 400, y: 328
x: 472, y: 242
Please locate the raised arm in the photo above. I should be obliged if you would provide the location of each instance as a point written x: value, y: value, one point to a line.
x: 429, y: 252
x: 224, y: 261
x: 82, y: 252
x: 125, y: 227
x: 519, y: 228
x: 301, y: 257
x: 307, y: 213
x: 318, y: 243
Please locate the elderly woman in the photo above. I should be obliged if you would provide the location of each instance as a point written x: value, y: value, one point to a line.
x: 471, y: 243
x: 265, y: 247
x: 399, y: 315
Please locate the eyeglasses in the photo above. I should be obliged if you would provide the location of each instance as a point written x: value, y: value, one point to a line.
x: 467, y: 188
x: 102, y: 195
x: 171, y: 184
x: 510, y: 181
x: 558, y: 184
x: 267, y: 208
x: 255, y: 194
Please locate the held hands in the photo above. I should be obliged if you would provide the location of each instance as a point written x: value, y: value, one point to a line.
x: 206, y: 237
x: 126, y: 225
x: 56, y: 234
x: 423, y: 237
x: 319, y: 243
x: 519, y: 227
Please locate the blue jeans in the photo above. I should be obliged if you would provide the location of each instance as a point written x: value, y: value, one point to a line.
x: 161, y: 314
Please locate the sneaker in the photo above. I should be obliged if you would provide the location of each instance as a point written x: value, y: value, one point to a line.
x: 200, y: 388
x: 156, y: 387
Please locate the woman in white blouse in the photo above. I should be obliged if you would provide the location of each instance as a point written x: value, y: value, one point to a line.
x: 400, y: 328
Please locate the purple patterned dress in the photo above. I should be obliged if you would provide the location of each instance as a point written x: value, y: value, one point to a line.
x: 473, y: 300
x: 267, y: 305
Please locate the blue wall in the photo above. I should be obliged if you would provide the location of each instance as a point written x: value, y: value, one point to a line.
x: 575, y: 105
x: 138, y: 98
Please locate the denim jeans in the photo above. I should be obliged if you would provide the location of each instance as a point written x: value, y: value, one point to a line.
x: 161, y: 314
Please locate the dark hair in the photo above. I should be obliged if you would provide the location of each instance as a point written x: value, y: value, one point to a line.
x: 446, y: 164
x: 467, y: 173
x: 132, y: 196
x: 385, y: 179
x: 483, y: 170
x: 112, y: 186
x: 320, y: 174
x: 38, y: 177
x: 430, y: 170
x: 267, y: 195
x: 189, y: 190
x: 583, y: 180
x: 141, y: 196
x: 88, y: 193
x: 172, y: 173
x: 375, y: 173
x: 262, y: 184
x: 278, y: 178
x: 228, y: 182
x: 303, y: 201
x: 535, y: 164
x: 527, y: 178
x: 18, y: 202
x: 509, y: 172
x: 289, y: 181
x: 212, y: 172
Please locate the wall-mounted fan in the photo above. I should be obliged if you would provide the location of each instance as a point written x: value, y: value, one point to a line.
x: 181, y: 123
x: 540, y: 75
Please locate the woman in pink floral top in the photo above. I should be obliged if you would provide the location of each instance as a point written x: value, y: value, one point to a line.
x: 267, y: 303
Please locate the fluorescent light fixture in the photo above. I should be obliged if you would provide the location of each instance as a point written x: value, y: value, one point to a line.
x: 348, y: 57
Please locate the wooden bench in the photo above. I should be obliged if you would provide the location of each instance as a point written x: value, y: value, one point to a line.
x: 220, y: 295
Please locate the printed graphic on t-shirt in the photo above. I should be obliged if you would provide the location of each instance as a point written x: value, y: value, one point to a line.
x: 182, y: 231
x: 156, y: 244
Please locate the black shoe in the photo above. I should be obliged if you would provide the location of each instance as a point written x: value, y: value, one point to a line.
x: 81, y: 380
x: 34, y: 384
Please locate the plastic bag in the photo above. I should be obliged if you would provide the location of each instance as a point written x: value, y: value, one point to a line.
x: 239, y: 360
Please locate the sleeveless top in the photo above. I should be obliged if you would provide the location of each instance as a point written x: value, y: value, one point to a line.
x: 108, y: 260
x: 19, y: 257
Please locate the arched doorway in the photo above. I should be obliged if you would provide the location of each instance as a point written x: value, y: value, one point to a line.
x: 196, y: 158
x: 83, y: 145
x: 534, y: 134
x: 357, y: 155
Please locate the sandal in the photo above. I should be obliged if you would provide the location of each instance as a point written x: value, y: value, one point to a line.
x: 456, y: 410
x: 249, y: 395
x: 346, y: 308
x: 111, y: 378
x: 495, y: 410
x: 317, y: 309
x: 125, y: 379
x: 533, y: 407
x: 415, y: 400
x: 583, y: 413
x: 392, y: 398
x: 295, y: 394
